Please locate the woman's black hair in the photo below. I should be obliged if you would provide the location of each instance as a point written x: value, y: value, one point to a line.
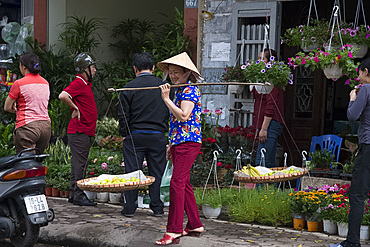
x: 365, y: 65
x: 270, y: 52
x: 31, y: 61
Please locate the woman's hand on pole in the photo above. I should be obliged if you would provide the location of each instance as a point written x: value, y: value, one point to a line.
x: 165, y: 88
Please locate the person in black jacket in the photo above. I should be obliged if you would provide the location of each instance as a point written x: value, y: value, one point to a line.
x: 143, y: 119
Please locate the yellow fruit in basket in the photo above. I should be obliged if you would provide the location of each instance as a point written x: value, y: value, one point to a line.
x: 115, y: 179
x: 123, y: 180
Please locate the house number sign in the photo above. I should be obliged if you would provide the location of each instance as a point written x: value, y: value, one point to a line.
x: 191, y: 4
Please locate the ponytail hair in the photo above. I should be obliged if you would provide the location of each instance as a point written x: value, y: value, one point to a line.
x: 31, y: 61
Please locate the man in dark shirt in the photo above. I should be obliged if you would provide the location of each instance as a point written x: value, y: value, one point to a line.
x: 143, y: 119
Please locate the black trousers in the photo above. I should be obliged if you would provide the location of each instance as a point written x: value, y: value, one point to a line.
x: 153, y: 148
x: 80, y: 147
x: 360, y: 186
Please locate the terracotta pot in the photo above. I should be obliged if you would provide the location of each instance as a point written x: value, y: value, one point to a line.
x: 66, y: 194
x: 48, y: 191
x: 313, y: 226
x: 55, y: 192
x: 61, y: 193
x: 298, y: 223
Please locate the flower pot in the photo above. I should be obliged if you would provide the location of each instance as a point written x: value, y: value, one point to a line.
x: 313, y: 226
x: 262, y: 89
x: 333, y: 72
x: 236, y: 89
x: 55, y: 192
x: 114, y: 198
x: 66, y: 194
x: 61, y: 193
x: 361, y: 52
x: 102, y: 196
x: 209, y: 212
x: 90, y: 195
x: 364, y: 232
x: 330, y: 227
x: 298, y: 223
x: 342, y: 229
x: 140, y: 202
x: 48, y: 191
x: 308, y: 48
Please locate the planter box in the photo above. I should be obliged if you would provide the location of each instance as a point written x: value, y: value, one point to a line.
x: 319, y: 182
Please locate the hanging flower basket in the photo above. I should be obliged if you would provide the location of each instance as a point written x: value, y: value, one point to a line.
x: 333, y: 72
x: 361, y: 50
x: 308, y: 47
x: 262, y: 89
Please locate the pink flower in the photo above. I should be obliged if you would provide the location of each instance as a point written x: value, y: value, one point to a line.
x: 316, y: 59
x: 304, y: 61
x: 206, y: 111
x: 219, y: 164
x: 110, y: 157
x: 367, y: 35
x: 95, y: 160
x: 350, y: 54
x: 123, y: 164
x: 104, y: 166
x: 243, y: 66
x: 218, y: 112
x: 347, y: 82
x: 145, y: 164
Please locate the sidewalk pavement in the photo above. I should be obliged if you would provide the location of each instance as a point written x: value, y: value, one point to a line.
x: 103, y: 225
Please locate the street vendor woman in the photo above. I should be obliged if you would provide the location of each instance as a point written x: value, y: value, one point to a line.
x: 80, y: 98
x: 185, y: 142
x: 359, y: 108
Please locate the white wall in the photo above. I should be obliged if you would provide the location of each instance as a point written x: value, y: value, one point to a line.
x: 112, y: 11
x: 56, y: 16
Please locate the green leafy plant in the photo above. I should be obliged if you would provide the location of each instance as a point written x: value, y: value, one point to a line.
x: 312, y: 203
x: 6, y: 140
x: 81, y: 35
x: 321, y: 159
x: 233, y: 74
x: 306, y: 35
x: 57, y: 113
x: 273, y: 71
x: 111, y: 142
x: 107, y: 126
x: 6, y: 117
x: 212, y: 198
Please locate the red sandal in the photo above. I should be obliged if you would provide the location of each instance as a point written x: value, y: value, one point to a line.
x: 191, y: 233
x: 167, y: 240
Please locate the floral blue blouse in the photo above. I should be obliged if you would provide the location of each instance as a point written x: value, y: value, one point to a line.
x: 190, y: 130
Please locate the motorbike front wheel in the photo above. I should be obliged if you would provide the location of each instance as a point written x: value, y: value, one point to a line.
x: 26, y: 234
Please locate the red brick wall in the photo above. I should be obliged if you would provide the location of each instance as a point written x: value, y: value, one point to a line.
x: 40, y: 20
x: 191, y: 29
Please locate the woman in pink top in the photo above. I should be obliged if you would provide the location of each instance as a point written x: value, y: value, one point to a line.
x: 29, y: 98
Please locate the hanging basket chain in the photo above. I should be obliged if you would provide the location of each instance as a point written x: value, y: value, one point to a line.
x: 213, y: 169
x: 312, y: 2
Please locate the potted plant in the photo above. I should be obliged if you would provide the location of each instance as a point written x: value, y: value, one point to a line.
x: 211, y: 204
x: 308, y: 37
x: 233, y: 74
x: 296, y: 206
x: 358, y: 38
x: 329, y: 214
x: 312, y: 203
x: 322, y: 159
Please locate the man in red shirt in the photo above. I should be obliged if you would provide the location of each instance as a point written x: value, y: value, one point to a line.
x: 80, y: 98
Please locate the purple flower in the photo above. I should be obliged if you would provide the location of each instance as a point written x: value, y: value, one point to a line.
x: 123, y: 164
x: 367, y: 35
x: 272, y: 58
x: 257, y: 62
x: 313, y: 39
x: 281, y: 42
x: 263, y: 71
x: 243, y: 66
x: 290, y: 82
x: 347, y: 82
x: 268, y: 66
x: 303, y: 39
x: 352, y: 33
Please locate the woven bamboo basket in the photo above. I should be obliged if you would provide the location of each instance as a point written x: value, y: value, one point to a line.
x: 113, y: 187
x: 269, y: 179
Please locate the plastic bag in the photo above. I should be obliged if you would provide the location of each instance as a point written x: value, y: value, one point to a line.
x: 165, y: 184
x: 166, y: 178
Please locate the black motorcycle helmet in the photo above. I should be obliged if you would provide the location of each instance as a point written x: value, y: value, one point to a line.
x: 83, y: 61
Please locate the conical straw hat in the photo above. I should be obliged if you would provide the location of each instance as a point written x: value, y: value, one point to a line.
x: 182, y: 60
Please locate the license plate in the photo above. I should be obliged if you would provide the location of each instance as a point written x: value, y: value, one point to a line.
x: 36, y: 204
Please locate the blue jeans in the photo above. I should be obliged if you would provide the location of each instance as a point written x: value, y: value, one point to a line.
x: 273, y: 133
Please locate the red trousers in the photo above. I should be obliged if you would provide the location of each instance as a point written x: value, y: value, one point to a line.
x: 181, y: 192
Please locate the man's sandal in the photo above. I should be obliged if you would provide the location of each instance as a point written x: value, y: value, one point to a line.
x: 167, y: 240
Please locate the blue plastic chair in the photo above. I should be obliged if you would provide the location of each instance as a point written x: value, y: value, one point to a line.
x: 329, y: 142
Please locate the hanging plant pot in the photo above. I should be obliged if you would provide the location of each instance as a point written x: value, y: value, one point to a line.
x: 262, y: 89
x: 330, y: 227
x: 236, y: 89
x: 333, y: 72
x: 308, y: 48
x: 361, y: 52
x: 209, y: 212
